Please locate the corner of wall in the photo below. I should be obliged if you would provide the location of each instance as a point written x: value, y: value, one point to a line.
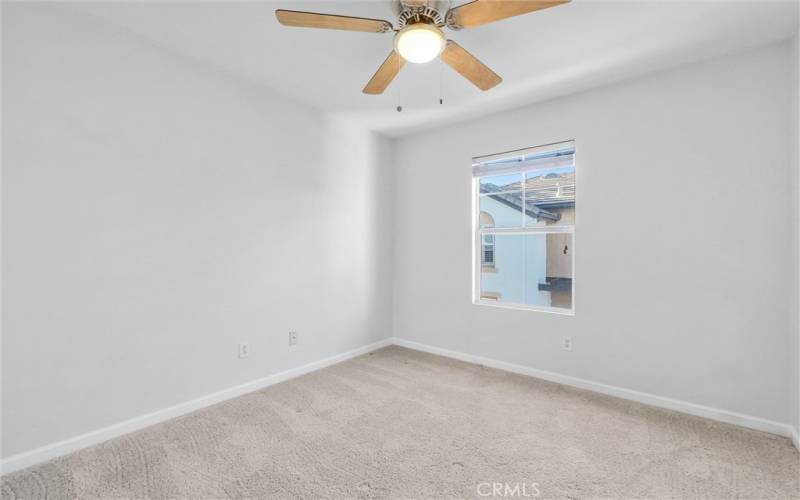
x: 382, y: 162
x: 388, y: 179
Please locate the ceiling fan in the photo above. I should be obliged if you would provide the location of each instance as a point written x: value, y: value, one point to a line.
x: 419, y: 37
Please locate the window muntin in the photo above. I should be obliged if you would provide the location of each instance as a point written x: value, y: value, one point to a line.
x: 524, y: 231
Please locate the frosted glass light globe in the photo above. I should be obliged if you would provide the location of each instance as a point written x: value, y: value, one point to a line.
x: 419, y: 43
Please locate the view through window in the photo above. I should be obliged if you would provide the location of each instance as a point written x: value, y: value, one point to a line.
x: 524, y: 227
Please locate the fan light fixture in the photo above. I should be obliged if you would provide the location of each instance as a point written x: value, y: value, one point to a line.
x: 421, y: 39
x: 419, y: 43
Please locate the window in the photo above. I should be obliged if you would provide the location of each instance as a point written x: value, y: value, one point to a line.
x: 525, y: 228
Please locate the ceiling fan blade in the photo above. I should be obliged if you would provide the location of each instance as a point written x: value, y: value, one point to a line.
x: 385, y: 74
x: 331, y: 21
x: 480, y: 12
x: 469, y: 66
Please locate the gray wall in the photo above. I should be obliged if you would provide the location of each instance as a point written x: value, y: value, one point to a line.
x: 155, y: 214
x: 682, y: 248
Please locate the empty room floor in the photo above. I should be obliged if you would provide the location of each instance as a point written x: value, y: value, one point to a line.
x: 400, y: 423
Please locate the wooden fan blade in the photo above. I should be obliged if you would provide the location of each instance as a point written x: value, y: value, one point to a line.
x: 385, y: 74
x: 480, y: 12
x: 469, y: 66
x: 331, y: 21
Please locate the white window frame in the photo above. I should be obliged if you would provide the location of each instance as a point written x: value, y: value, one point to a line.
x: 478, y: 233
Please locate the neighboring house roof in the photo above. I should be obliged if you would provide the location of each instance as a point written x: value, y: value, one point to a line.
x: 551, y: 189
x: 545, y: 191
x: 514, y: 200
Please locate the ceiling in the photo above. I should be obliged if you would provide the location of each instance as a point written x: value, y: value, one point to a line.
x: 540, y: 55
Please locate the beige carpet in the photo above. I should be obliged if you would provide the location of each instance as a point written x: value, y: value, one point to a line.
x: 399, y: 423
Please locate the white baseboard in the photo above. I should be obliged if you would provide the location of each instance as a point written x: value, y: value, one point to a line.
x: 44, y: 453
x: 729, y: 417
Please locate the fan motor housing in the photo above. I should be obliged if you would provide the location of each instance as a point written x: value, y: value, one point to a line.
x: 420, y: 11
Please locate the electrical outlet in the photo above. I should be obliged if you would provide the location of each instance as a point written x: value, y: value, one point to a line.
x: 566, y: 343
x: 244, y: 350
x: 292, y: 338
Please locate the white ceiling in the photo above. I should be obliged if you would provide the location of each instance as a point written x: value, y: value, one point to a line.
x: 540, y: 55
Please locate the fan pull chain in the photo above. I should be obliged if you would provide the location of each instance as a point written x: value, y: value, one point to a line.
x: 441, y: 82
x: 397, y: 93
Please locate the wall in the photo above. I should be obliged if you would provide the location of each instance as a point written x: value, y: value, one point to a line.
x: 155, y: 214
x: 683, y: 200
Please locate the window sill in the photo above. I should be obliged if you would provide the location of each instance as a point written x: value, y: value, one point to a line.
x: 524, y: 307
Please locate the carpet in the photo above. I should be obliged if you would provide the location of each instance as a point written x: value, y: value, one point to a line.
x: 398, y: 423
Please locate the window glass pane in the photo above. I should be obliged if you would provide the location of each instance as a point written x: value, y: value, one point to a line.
x: 503, y: 282
x: 530, y: 269
x: 550, y: 196
x: 549, y: 272
x: 496, y: 183
x: 501, y: 210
